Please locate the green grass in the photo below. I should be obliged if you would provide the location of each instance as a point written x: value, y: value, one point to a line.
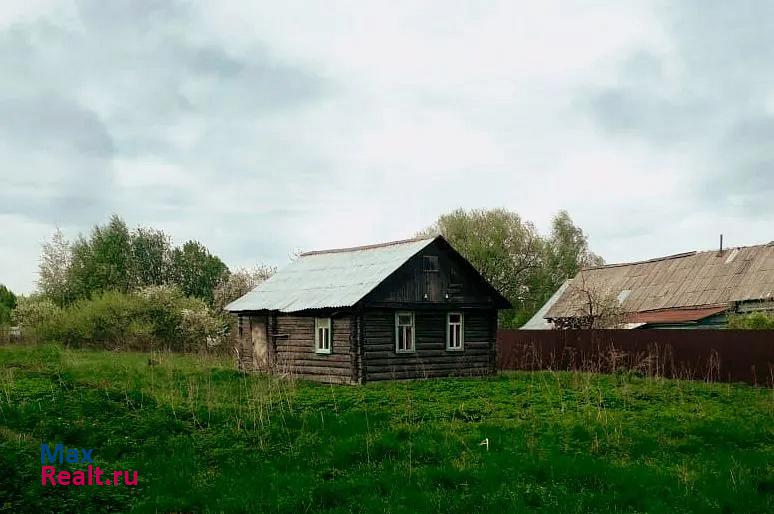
x: 205, y: 438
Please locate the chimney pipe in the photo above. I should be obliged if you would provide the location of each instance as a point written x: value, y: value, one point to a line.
x: 720, y: 252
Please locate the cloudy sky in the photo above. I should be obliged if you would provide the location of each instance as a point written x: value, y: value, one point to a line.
x: 260, y: 129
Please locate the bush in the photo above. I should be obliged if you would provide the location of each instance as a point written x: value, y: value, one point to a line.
x: 200, y: 330
x: 754, y: 321
x: 155, y: 318
x: 111, y: 320
x: 35, y: 316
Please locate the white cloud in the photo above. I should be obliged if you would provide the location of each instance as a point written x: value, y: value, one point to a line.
x: 268, y: 127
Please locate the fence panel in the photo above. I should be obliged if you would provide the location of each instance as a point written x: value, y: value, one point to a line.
x: 719, y: 355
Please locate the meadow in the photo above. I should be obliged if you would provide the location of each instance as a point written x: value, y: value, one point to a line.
x: 206, y: 438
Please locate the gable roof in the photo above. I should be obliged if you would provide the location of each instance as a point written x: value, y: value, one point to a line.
x: 329, y: 278
x: 692, y: 279
x: 539, y: 321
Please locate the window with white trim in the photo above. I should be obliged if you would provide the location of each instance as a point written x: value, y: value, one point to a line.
x: 455, y: 338
x: 404, y: 332
x: 322, y: 335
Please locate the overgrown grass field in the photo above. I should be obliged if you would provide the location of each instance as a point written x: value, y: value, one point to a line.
x: 205, y: 438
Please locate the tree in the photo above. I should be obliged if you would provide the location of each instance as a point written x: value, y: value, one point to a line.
x: 568, y: 249
x: 7, y: 304
x: 53, y: 269
x: 565, y: 253
x: 151, y: 258
x: 102, y: 262
x: 239, y: 283
x: 524, y: 266
x: 505, y: 249
x: 196, y: 271
x: 597, y: 307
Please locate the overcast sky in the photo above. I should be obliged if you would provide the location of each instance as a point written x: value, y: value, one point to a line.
x: 260, y: 129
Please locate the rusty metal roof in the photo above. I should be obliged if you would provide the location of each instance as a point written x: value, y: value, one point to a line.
x: 691, y: 279
x: 681, y: 315
x: 329, y: 278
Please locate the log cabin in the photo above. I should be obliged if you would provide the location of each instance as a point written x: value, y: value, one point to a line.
x: 401, y: 310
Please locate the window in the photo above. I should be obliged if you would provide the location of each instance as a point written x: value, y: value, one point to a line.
x: 430, y: 263
x: 454, y: 331
x: 322, y: 335
x: 404, y: 332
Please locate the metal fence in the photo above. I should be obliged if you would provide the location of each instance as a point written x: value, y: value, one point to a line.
x: 715, y: 355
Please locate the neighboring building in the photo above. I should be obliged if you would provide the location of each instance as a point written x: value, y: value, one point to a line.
x: 406, y: 309
x: 538, y: 321
x: 689, y: 290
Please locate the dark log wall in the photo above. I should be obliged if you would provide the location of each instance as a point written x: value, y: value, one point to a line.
x: 431, y: 359
x: 294, y: 351
x: 244, y: 344
x: 412, y: 284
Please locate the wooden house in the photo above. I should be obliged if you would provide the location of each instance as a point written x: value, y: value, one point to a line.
x: 687, y: 290
x: 406, y: 309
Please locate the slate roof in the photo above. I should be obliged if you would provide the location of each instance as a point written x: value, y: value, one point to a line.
x: 329, y: 278
x: 692, y: 279
x: 539, y: 321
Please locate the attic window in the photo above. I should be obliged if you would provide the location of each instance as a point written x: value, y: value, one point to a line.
x: 430, y: 263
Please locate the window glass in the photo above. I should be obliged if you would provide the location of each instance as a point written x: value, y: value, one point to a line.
x: 430, y: 263
x: 404, y: 332
x: 322, y: 336
x: 454, y: 331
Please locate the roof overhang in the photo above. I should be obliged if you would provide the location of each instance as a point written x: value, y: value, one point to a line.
x: 681, y: 315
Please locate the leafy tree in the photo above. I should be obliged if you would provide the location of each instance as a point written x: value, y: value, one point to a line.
x: 7, y: 304
x: 102, y: 262
x: 196, y: 271
x: 507, y: 250
x: 151, y: 257
x: 239, y: 283
x: 568, y: 249
x: 565, y: 253
x: 53, y: 269
x: 113, y: 258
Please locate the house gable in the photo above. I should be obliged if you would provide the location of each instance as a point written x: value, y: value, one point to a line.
x: 436, y: 275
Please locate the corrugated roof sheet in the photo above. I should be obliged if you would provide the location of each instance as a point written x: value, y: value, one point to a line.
x: 686, y: 280
x: 538, y: 321
x: 330, y: 278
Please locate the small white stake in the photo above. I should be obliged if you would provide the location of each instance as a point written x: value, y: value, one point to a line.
x: 485, y: 442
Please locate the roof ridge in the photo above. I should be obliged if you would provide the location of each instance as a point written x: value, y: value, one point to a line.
x: 674, y: 256
x: 655, y: 259
x: 368, y: 247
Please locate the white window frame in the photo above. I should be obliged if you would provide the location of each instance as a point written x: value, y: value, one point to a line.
x: 320, y: 345
x: 398, y: 328
x: 460, y: 345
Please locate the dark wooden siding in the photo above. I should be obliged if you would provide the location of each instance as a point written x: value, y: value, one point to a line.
x: 431, y: 359
x: 412, y: 284
x: 293, y: 337
x: 244, y: 344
